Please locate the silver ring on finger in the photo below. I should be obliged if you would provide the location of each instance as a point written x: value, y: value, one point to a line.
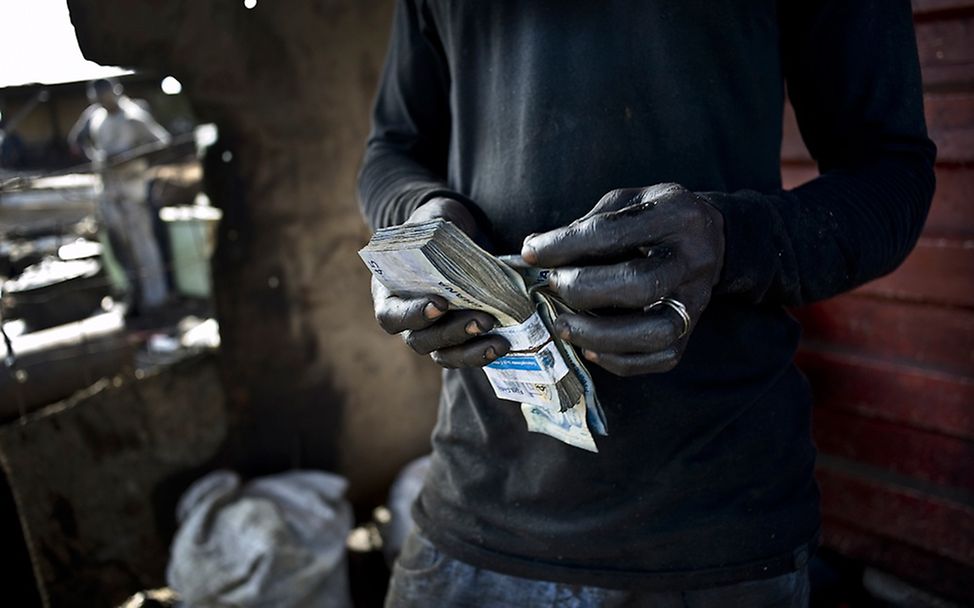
x: 680, y: 309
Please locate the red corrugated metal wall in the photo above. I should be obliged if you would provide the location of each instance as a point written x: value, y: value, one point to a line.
x: 892, y: 364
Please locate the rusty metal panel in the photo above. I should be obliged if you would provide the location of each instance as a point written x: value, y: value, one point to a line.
x: 949, y: 577
x: 896, y: 447
x: 935, y: 524
x: 946, y: 54
x: 950, y: 214
x: 931, y: 335
x: 928, y: 8
x: 907, y: 396
x: 939, y: 270
x: 950, y: 122
x: 892, y: 364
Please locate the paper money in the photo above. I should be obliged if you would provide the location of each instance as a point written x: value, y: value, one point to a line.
x: 568, y: 426
x: 540, y: 371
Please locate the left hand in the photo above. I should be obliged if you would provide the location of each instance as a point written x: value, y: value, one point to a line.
x: 672, y: 243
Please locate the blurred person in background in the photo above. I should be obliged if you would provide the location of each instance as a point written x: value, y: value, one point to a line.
x: 109, y: 132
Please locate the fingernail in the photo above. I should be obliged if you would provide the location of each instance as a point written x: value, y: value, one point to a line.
x: 553, y: 281
x: 563, y: 330
x: 591, y: 356
x: 490, y: 354
x: 528, y: 253
x: 473, y: 328
x: 432, y: 311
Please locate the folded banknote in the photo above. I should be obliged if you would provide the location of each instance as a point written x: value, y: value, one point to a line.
x: 541, y: 372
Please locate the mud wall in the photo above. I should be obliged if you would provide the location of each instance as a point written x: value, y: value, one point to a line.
x: 310, y: 380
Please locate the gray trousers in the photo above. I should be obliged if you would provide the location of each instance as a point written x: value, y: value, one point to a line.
x: 126, y: 214
x: 424, y: 577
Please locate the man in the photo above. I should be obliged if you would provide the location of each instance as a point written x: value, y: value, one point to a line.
x: 512, y: 119
x: 112, y: 131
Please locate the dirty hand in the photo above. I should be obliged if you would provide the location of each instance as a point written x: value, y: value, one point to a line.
x: 671, y: 244
x: 452, y: 338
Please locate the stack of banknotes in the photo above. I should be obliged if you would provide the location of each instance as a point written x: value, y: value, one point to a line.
x: 541, y: 372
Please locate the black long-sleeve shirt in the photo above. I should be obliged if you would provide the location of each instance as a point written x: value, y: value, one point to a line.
x: 528, y: 112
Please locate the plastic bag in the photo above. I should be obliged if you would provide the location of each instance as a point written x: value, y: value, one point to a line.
x: 276, y: 541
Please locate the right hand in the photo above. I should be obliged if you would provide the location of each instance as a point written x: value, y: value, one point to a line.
x: 452, y: 338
